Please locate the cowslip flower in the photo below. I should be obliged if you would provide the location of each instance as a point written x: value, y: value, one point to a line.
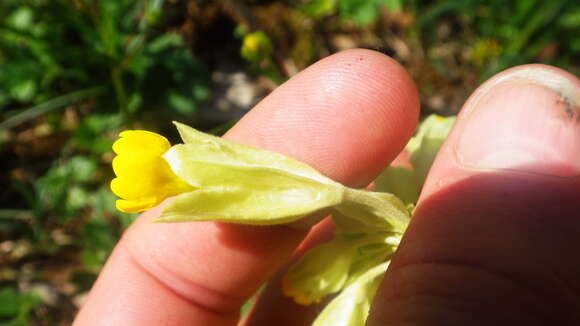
x: 144, y: 178
x: 213, y: 179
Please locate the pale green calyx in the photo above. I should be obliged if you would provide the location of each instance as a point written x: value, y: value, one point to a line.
x: 336, y: 264
x: 242, y: 184
x: 321, y: 271
x: 351, y: 307
x: 372, y: 223
x: 422, y: 149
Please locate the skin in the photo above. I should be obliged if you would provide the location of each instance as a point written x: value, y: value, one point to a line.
x: 494, y: 239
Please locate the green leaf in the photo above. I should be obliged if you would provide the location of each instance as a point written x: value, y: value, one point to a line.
x: 9, y: 306
x: 51, y: 188
x: 164, y: 42
x: 21, y: 19
x: 82, y: 168
x: 98, y: 238
x: 77, y: 198
x: 23, y: 91
x: 103, y: 207
x: 318, y: 8
x: 90, y: 134
x: 181, y: 104
x: 394, y: 5
x: 351, y: 307
x: 361, y: 12
x: 570, y: 19
x: 16, y: 307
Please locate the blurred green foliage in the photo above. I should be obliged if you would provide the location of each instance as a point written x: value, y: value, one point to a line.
x: 103, y: 62
x: 508, y: 33
x: 15, y: 307
x: 49, y: 48
x: 73, y: 73
x: 503, y: 33
x: 360, y: 12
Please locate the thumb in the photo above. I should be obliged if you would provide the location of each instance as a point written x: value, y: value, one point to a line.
x: 495, y: 239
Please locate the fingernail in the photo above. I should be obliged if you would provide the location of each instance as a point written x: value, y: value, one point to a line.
x: 526, y: 119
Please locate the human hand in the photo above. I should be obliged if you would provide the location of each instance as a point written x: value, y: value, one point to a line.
x: 493, y: 240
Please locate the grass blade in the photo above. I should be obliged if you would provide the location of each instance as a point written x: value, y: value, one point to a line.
x: 50, y: 105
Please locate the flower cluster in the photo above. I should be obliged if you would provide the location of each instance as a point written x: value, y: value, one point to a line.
x: 213, y: 179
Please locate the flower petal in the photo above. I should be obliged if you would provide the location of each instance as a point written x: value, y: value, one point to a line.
x: 129, y: 206
x: 132, y: 141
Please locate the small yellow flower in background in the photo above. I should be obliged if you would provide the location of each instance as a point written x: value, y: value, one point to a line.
x: 144, y: 179
x: 256, y: 47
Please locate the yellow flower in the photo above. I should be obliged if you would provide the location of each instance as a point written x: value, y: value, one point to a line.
x: 256, y: 47
x: 144, y: 179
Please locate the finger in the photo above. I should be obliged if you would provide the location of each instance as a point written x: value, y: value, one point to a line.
x: 272, y: 307
x: 496, y: 234
x: 346, y: 115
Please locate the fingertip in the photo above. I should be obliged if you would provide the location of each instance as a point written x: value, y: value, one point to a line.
x: 347, y: 115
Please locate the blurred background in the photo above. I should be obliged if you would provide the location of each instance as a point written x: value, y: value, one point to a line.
x: 73, y: 73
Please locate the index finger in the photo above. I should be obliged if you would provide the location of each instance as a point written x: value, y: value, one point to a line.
x: 347, y: 116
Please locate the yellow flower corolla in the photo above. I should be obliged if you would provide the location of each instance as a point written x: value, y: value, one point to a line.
x: 144, y: 179
x: 256, y: 47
